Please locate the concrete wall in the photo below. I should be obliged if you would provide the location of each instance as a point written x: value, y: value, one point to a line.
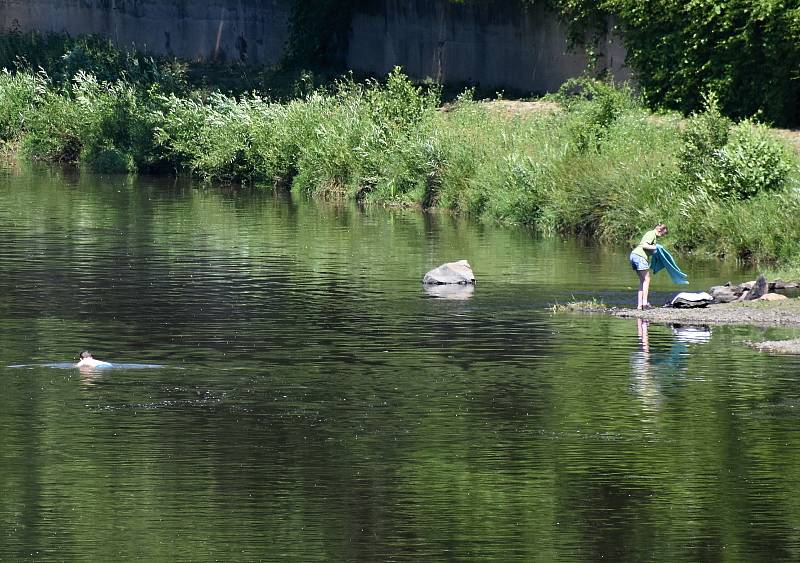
x: 255, y: 30
x: 498, y: 45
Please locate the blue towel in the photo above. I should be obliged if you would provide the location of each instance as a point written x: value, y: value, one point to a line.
x: 663, y: 259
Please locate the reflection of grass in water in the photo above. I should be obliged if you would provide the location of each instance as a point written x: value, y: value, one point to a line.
x: 785, y: 272
x: 592, y: 305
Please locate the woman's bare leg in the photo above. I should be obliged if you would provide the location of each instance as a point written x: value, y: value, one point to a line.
x: 644, y: 288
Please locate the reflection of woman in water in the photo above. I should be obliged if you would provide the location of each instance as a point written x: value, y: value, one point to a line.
x: 655, y: 371
x: 641, y: 326
x: 644, y: 384
x: 640, y: 359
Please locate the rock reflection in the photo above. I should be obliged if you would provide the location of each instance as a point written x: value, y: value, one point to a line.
x: 692, y: 334
x: 458, y: 292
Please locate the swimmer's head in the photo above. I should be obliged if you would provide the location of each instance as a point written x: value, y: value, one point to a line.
x: 85, y: 354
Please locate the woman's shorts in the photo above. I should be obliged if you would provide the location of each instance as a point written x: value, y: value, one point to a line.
x: 639, y: 263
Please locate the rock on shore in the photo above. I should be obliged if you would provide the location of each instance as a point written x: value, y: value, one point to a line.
x: 748, y: 291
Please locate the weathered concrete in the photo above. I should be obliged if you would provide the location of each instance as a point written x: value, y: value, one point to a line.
x: 253, y: 30
x: 497, y: 45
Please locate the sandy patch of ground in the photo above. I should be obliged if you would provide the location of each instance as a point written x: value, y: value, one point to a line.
x: 518, y: 107
x: 790, y: 135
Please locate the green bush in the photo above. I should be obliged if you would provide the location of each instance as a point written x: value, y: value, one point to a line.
x: 751, y: 161
x: 704, y: 135
x: 53, y: 131
x: 106, y: 126
x: 727, y: 160
x: 330, y: 165
x: 119, y: 118
x: 593, y: 106
x: 20, y: 95
x: 180, y: 133
x: 108, y: 159
x: 465, y: 138
x: 761, y: 229
x: 279, y: 134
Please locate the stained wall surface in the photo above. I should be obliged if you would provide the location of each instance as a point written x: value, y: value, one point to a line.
x: 253, y: 30
x: 494, y: 44
x: 499, y: 45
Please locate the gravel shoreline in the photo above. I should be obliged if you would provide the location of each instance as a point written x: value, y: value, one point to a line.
x: 757, y: 313
x: 785, y: 313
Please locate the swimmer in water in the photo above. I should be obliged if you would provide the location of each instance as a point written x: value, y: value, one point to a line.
x: 87, y: 361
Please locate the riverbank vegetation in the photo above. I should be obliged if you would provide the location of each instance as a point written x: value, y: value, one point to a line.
x: 602, y: 165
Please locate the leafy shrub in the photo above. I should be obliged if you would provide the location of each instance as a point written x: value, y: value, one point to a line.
x: 20, y: 94
x: 464, y: 140
x: 53, y: 132
x: 727, y: 160
x: 180, y: 133
x: 398, y: 148
x: 279, y: 134
x: 108, y: 126
x: 750, y: 162
x: 330, y: 165
x: 522, y: 195
x: 745, y: 50
x: 705, y: 133
x: 593, y: 105
x: 760, y: 229
x: 120, y: 120
x: 108, y: 159
x: 399, y: 105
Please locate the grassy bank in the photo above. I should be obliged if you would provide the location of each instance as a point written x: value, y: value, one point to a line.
x: 602, y: 166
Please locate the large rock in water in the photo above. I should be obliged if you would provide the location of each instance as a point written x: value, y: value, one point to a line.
x: 453, y: 272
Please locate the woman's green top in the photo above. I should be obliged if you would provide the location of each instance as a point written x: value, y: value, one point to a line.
x: 648, y: 238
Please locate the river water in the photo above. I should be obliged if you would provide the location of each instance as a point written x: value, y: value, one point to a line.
x: 286, y: 390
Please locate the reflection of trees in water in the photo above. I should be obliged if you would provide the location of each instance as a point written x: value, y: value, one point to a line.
x: 213, y: 269
x: 401, y: 429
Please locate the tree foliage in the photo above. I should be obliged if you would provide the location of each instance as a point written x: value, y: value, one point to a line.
x: 745, y: 51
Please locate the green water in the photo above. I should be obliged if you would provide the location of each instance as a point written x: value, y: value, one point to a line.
x: 314, y: 403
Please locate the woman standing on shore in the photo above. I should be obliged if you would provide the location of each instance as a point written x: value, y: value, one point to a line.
x: 640, y: 262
